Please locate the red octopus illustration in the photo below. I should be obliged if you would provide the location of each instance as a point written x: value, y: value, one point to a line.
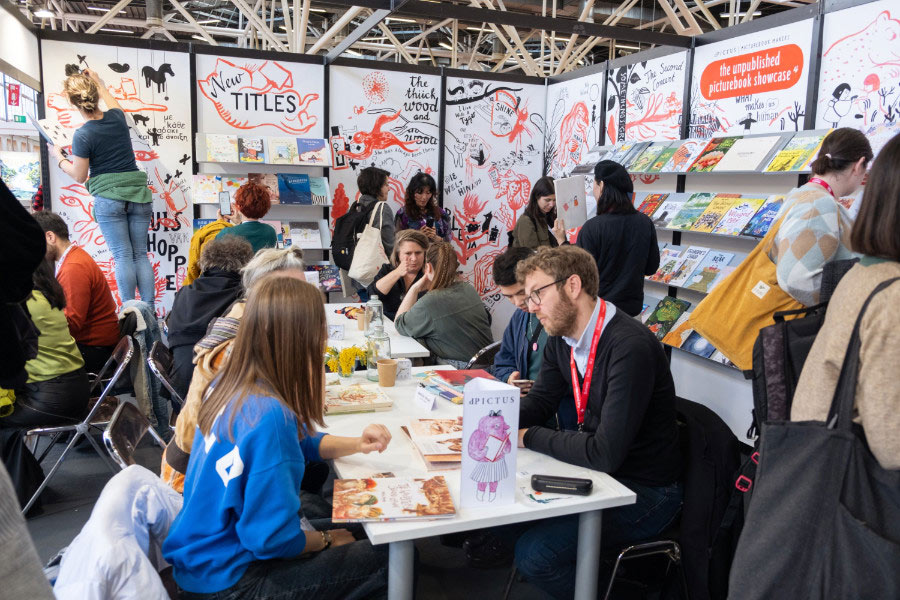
x: 377, y: 139
x: 145, y: 155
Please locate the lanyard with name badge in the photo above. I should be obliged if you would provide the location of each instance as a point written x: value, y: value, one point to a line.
x: 581, y: 393
x: 824, y: 184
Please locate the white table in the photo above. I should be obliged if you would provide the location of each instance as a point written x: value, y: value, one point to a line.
x: 401, y: 345
x: 401, y: 459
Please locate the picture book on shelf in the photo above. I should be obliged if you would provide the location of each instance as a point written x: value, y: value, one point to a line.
x: 270, y: 180
x: 679, y: 331
x: 697, y: 344
x: 738, y: 216
x: 232, y: 184
x: 313, y: 152
x: 623, y: 150
x: 283, y: 151
x: 318, y: 190
x: 205, y: 189
x: 391, y: 499
x: 664, y: 157
x: 642, y: 163
x: 749, y: 153
x: 649, y: 205
x: 691, y: 211
x: 294, y: 188
x: 711, y: 155
x: 713, y: 213
x: 666, y: 313
x: 650, y: 303
x: 796, y: 155
x: 701, y: 280
x: 684, y: 156
x: 329, y: 276
x: 199, y: 224
x: 690, y: 259
x: 359, y: 398
x: 668, y: 208
x: 669, y: 259
x: 760, y: 223
x: 221, y: 148
x: 251, y: 150
x: 305, y: 234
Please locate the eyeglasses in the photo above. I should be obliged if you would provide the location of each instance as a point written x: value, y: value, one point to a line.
x: 535, y: 296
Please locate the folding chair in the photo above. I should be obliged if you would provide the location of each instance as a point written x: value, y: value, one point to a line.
x: 484, y: 357
x: 97, y: 417
x: 125, y: 430
x: 160, y: 362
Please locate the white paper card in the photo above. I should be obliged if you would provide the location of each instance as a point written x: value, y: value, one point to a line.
x: 570, y: 201
x: 424, y: 399
x: 490, y: 435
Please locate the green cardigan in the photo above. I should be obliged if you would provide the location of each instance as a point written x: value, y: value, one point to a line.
x: 130, y: 186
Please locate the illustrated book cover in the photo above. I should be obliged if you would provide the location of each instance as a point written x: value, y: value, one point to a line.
x: 738, y: 216
x: 359, y: 398
x: 798, y: 153
x: 714, y: 152
x: 251, y: 149
x: 749, y: 153
x: 713, y: 213
x: 690, y: 259
x: 294, y: 188
x: 283, y: 151
x: 376, y: 499
x: 709, y: 269
x: 691, y: 211
x: 666, y: 313
x: 760, y: 223
x: 313, y: 152
x: 221, y: 148
x: 205, y: 189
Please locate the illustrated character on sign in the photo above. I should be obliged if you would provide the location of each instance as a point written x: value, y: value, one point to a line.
x: 489, y: 445
x: 157, y: 76
x: 369, y: 141
x: 513, y: 190
x: 573, y: 136
x: 472, y: 236
x: 839, y: 105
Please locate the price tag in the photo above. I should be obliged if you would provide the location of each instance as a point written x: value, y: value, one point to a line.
x: 424, y: 399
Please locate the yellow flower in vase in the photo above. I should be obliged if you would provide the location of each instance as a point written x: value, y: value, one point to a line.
x: 347, y: 360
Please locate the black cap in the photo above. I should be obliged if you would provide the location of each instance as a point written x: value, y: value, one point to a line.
x: 614, y: 174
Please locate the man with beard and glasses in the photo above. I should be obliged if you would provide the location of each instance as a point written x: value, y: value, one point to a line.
x: 616, y: 374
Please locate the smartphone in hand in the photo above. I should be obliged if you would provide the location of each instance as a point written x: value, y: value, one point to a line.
x: 225, y: 203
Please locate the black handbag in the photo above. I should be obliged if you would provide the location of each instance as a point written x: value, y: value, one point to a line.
x: 824, y: 521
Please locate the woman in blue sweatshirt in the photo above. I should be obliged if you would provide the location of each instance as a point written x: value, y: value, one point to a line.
x: 241, y: 533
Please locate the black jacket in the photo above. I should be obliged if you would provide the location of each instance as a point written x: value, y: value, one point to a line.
x: 197, y: 304
x: 630, y: 426
x: 625, y: 249
x: 394, y: 297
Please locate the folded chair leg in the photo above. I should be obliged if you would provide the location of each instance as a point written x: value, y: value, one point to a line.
x: 53, y: 470
x: 509, y: 584
x: 157, y: 437
x: 48, y: 448
x: 612, y: 577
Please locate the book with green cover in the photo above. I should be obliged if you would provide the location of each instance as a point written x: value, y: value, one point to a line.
x: 664, y: 157
x: 642, y: 163
x: 691, y: 211
x: 710, y: 217
x: 711, y: 155
x: 665, y: 315
x: 709, y: 269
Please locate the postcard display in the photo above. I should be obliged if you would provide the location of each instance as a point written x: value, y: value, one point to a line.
x: 149, y: 85
x: 493, y: 152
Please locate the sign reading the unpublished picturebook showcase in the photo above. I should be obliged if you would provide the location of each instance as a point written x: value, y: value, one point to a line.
x: 490, y: 434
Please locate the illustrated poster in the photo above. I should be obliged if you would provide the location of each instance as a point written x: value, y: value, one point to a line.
x: 644, y: 101
x: 489, y: 443
x: 386, y: 119
x: 151, y: 86
x: 494, y: 139
x: 859, y: 84
x: 754, y: 83
x: 259, y: 97
x: 574, y: 112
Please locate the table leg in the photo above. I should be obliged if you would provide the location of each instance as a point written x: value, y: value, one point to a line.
x: 400, y: 570
x: 587, y: 565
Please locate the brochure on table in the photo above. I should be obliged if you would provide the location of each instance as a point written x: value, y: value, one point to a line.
x: 489, y: 445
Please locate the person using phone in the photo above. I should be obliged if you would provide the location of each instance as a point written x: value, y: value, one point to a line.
x: 420, y: 210
x: 252, y: 201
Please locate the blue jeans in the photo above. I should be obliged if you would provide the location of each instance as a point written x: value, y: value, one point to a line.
x: 546, y: 551
x: 351, y: 571
x: 125, y: 225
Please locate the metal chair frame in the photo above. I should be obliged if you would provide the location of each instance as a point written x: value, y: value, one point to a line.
x: 155, y: 360
x: 482, y: 356
x: 122, y: 456
x: 121, y: 356
x: 669, y: 548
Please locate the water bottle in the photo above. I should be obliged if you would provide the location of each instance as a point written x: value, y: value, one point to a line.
x: 374, y: 314
x: 378, y: 346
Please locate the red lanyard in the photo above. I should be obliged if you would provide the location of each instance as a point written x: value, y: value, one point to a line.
x: 824, y: 184
x: 581, y: 394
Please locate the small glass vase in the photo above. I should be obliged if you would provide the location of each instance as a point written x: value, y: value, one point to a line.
x: 345, y: 375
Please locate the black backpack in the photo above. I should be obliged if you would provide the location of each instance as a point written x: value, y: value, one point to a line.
x: 347, y: 229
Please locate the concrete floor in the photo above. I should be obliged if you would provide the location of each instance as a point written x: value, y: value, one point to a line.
x: 68, y: 501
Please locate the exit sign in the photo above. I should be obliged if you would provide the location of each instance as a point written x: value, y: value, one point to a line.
x: 19, y: 118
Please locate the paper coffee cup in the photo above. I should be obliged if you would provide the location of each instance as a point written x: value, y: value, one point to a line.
x: 387, y: 372
x: 362, y: 322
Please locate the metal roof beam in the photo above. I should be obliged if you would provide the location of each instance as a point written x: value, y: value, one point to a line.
x: 374, y: 20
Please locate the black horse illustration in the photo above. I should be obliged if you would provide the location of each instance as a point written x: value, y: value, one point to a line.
x: 157, y: 76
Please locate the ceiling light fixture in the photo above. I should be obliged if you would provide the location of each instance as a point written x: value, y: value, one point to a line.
x: 352, y: 53
x: 98, y: 8
x: 116, y: 30
x: 627, y: 47
x: 205, y: 21
x: 445, y: 45
x: 399, y: 20
x: 44, y: 13
x: 740, y: 15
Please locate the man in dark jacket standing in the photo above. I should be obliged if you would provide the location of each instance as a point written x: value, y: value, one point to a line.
x: 207, y: 297
x: 615, y: 373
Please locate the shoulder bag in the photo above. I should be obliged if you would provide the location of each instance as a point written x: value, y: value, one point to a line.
x: 369, y: 254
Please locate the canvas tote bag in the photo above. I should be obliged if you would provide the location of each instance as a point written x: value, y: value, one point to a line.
x: 369, y: 254
x: 824, y: 520
x: 731, y: 316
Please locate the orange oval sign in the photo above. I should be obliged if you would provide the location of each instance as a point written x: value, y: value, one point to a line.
x: 764, y: 71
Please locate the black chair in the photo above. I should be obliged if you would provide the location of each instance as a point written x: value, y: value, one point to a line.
x: 99, y: 413
x: 125, y: 430
x: 160, y: 362
x: 484, y: 357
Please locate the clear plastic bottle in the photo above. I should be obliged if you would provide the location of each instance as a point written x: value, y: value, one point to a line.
x: 374, y: 314
x: 378, y: 345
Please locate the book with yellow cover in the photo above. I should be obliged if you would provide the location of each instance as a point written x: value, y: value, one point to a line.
x: 796, y: 155
x: 710, y: 217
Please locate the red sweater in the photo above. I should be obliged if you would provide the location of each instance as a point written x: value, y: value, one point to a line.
x: 90, y: 308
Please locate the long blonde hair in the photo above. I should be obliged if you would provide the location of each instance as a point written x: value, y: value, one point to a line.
x: 82, y: 92
x: 442, y: 259
x: 277, y: 352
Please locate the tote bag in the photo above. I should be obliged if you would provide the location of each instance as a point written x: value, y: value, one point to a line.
x: 824, y: 521
x: 369, y: 254
x: 731, y: 316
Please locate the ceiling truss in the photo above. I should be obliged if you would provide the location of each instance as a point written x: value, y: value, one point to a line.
x: 536, y: 37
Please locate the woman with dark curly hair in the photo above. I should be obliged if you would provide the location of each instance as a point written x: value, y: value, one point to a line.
x: 252, y: 202
x: 421, y: 211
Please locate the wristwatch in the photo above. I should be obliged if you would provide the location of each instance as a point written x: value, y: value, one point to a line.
x: 326, y: 539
